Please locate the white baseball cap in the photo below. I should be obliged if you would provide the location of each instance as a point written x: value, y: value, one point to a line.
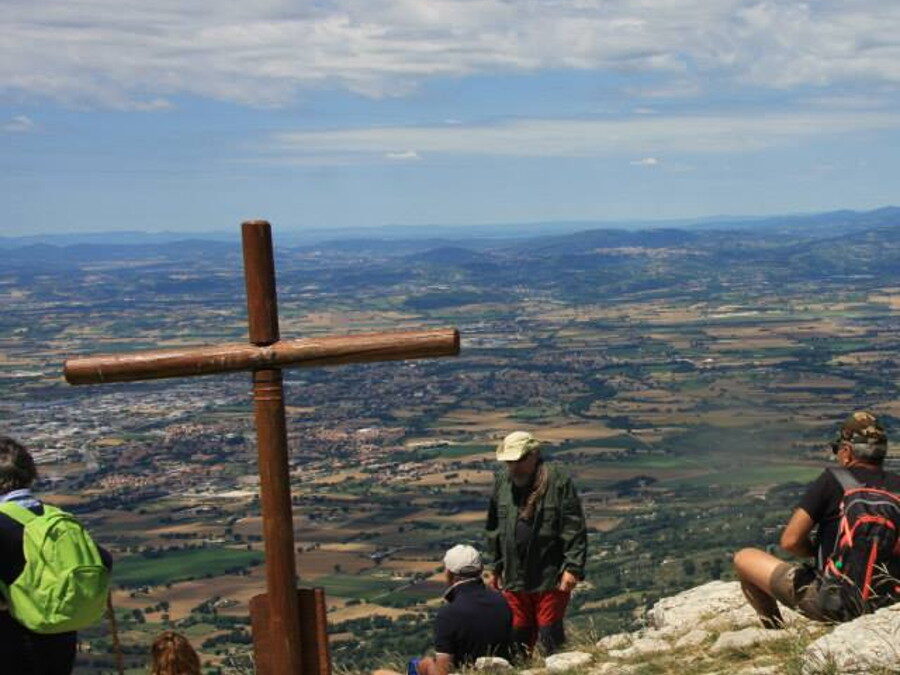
x: 463, y: 559
x: 516, y: 445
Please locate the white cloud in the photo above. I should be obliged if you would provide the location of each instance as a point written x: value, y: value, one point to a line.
x: 149, y: 106
x: 680, y: 88
x: 867, y: 101
x: 646, y: 161
x: 644, y: 136
x: 20, y: 124
x: 405, y: 156
x: 126, y: 53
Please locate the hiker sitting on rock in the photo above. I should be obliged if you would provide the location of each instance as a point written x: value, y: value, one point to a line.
x: 536, y: 541
x: 474, y: 622
x: 857, y: 555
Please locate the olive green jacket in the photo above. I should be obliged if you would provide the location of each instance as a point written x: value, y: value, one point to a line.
x: 558, y: 536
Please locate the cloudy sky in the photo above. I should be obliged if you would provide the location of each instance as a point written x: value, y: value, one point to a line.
x: 173, y: 115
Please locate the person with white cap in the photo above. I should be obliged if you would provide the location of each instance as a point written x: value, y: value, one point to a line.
x: 536, y: 541
x: 475, y: 621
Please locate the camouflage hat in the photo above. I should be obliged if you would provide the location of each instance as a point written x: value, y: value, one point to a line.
x: 863, y: 430
x: 516, y: 445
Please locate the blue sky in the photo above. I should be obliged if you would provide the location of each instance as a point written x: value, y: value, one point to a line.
x: 195, y: 116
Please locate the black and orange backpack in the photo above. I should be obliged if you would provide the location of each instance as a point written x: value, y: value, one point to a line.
x: 861, y: 575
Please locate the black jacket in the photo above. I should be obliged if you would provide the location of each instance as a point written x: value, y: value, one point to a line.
x: 475, y: 622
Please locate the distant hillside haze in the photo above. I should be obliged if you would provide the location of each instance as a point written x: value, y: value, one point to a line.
x: 837, y: 222
x: 814, y: 247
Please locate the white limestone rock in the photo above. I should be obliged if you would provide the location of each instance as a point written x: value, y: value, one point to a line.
x: 641, y: 647
x: 868, y: 644
x: 649, y: 645
x: 688, y: 609
x: 734, y: 619
x: 558, y: 663
x: 615, y: 641
x: 716, y: 606
x: 693, y: 638
x: 485, y: 662
x: 613, y: 669
x: 664, y: 633
x: 745, y: 639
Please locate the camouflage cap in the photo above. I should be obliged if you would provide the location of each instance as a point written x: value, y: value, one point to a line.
x: 863, y: 429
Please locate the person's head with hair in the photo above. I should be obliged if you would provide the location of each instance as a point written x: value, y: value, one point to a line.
x: 172, y: 654
x: 861, y: 438
x: 17, y: 470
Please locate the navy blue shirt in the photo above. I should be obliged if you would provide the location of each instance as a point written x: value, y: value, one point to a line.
x: 475, y: 622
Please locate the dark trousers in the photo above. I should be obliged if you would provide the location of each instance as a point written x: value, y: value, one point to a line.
x: 26, y: 653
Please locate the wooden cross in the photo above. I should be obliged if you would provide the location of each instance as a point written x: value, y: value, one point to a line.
x: 289, y: 625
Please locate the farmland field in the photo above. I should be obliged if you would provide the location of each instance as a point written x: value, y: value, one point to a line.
x: 689, y: 390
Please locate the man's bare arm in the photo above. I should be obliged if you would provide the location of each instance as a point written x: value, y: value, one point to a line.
x: 795, y: 538
x: 441, y: 664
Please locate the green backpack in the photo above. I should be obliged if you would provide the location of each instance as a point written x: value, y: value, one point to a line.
x: 64, y: 584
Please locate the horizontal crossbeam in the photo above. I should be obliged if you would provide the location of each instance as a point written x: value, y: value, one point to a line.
x: 233, y: 357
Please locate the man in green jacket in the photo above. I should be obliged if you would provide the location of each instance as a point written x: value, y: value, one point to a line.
x: 536, y: 541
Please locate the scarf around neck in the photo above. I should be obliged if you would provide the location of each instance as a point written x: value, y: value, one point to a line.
x: 538, y: 489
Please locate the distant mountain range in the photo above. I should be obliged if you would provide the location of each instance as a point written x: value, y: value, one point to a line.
x: 806, y: 241
x: 839, y: 222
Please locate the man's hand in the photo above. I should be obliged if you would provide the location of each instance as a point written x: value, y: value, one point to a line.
x: 494, y: 580
x: 567, y: 582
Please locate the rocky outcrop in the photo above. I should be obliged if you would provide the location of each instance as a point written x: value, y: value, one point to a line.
x: 566, y: 661
x: 712, y: 628
x: 744, y: 639
x: 718, y: 605
x: 492, y: 663
x: 869, y: 643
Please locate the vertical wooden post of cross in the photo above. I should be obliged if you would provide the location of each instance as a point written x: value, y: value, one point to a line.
x: 290, y: 627
x: 275, y: 490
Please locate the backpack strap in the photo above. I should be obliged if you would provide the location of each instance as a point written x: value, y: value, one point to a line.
x: 17, y: 512
x: 847, y: 480
x: 22, y: 516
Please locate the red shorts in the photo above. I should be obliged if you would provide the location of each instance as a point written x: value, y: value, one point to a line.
x: 536, y: 610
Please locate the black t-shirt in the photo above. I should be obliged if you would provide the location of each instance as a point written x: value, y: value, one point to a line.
x: 822, y: 501
x: 524, y: 527
x: 475, y: 622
